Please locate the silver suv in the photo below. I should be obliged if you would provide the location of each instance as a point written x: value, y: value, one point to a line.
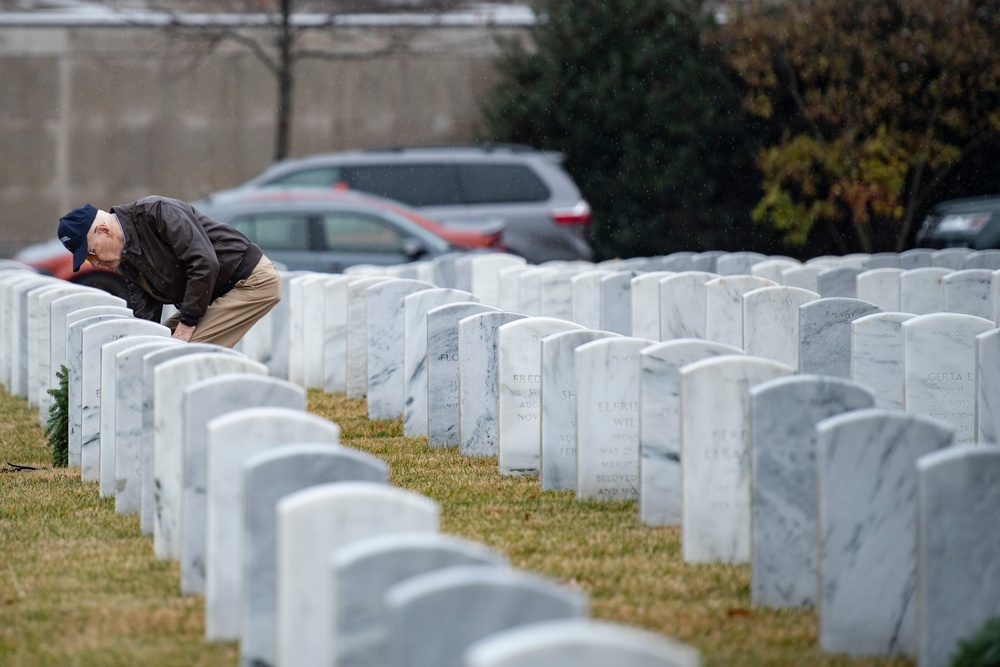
x: 543, y: 214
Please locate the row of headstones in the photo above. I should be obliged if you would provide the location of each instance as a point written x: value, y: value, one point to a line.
x: 332, y: 565
x: 609, y: 413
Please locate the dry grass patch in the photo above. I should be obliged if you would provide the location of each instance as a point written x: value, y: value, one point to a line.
x: 632, y: 573
x: 79, y: 585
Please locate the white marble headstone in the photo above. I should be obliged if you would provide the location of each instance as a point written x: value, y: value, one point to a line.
x: 385, y: 340
x: 519, y: 381
x: 881, y: 287
x: 478, y: 384
x: 877, y: 356
x: 724, y: 307
x: 357, y: 335
x: 988, y: 387
x: 228, y: 448
x: 607, y: 418
x: 558, y: 412
x: 586, y: 287
x: 682, y: 305
x: 660, y: 425
x: 958, y: 492
x: 267, y: 478
x: 921, y: 291
x: 579, y: 643
x: 443, y: 367
x: 784, y: 414
x: 825, y: 334
x: 968, y: 292
x: 129, y: 413
x: 616, y: 302
x: 170, y: 378
x: 311, y: 525
x: 646, y: 304
x: 203, y: 401
x: 415, y: 307
x: 867, y: 528
x: 939, y: 361
x: 771, y: 322
x: 716, y: 455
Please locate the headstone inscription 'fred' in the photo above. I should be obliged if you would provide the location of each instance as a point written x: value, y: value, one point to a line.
x: 520, y: 376
x: 940, y: 369
x: 660, y: 425
x: 558, y: 427
x: 607, y: 418
x: 715, y: 461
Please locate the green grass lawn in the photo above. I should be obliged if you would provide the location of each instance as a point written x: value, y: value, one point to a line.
x: 79, y: 585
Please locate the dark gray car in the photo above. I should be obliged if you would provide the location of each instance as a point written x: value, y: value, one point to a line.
x: 972, y: 222
x: 325, y: 231
x: 545, y: 217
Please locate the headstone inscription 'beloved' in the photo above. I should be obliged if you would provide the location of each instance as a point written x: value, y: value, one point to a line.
x: 267, y: 478
x: 958, y: 559
x: 607, y: 418
x: 558, y: 413
x: 867, y: 528
x: 783, y: 490
x: 520, y: 375
x: 716, y: 457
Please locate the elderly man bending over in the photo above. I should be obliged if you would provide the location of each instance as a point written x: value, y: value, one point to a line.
x: 168, y: 253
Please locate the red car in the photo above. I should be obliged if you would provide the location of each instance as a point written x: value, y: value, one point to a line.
x: 52, y: 259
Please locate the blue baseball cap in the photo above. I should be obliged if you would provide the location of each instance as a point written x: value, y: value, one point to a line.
x: 73, y: 230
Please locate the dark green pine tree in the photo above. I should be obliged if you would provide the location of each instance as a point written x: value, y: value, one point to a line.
x: 649, y: 120
x: 57, y: 426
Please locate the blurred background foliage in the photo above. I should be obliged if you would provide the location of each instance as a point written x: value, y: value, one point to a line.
x: 825, y: 127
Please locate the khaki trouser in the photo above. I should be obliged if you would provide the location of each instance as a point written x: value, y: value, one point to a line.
x: 230, y: 316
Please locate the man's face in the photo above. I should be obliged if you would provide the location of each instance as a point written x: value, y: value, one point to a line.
x: 103, y: 249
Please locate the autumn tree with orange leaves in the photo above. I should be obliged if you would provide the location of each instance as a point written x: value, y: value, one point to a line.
x: 875, y: 109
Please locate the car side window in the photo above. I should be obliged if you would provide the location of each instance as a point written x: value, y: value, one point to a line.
x: 413, y: 184
x: 501, y: 183
x: 352, y: 231
x: 275, y: 232
x: 321, y: 177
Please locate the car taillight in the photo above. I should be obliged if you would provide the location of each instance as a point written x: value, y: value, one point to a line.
x: 577, y: 215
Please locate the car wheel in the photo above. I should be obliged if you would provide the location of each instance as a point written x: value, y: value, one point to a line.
x: 103, y: 280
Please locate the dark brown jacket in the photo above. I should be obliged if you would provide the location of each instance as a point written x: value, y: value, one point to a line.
x: 174, y: 254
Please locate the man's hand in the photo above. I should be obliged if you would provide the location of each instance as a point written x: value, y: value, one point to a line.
x: 183, y: 332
